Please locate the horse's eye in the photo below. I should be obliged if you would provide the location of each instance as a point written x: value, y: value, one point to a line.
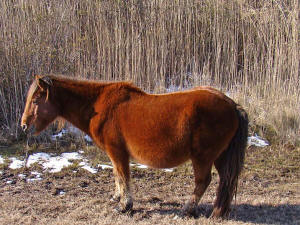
x: 34, y: 101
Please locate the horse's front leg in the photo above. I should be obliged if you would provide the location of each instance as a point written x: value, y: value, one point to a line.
x: 120, y: 161
x: 116, y: 197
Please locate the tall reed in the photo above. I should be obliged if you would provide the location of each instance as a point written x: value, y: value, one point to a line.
x: 245, y: 47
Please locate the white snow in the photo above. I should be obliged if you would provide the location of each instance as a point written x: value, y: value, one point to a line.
x: 72, y: 130
x: 16, y: 163
x: 90, y: 169
x: 34, y: 179
x: 37, y: 174
x: 37, y: 157
x: 88, y: 138
x: 168, y: 170
x: 56, y: 164
x: 141, y: 166
x: 104, y: 166
x: 71, y: 155
x: 257, y: 141
x: 62, y: 192
x: 50, y: 163
x: 59, y: 135
x: 173, y: 88
x: 85, y: 166
x: 22, y: 175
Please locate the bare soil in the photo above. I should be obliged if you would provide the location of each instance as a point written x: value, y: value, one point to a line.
x: 269, y: 193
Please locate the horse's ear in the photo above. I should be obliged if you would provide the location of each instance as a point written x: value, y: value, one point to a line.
x: 43, y: 82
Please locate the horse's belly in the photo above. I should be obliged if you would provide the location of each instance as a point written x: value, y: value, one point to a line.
x: 160, y: 158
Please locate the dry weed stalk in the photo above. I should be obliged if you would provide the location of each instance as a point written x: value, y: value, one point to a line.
x: 246, y: 47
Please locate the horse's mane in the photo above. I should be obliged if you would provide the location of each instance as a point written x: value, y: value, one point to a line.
x: 89, y: 87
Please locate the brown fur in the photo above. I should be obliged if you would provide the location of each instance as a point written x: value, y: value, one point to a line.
x: 160, y: 131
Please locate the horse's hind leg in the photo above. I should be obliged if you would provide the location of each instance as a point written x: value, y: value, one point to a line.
x: 202, y: 173
x: 122, y: 179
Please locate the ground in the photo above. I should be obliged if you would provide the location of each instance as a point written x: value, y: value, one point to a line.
x: 268, y: 193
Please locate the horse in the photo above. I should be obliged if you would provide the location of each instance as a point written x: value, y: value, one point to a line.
x: 158, y: 130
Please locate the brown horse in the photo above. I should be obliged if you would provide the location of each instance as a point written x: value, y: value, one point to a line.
x: 160, y: 131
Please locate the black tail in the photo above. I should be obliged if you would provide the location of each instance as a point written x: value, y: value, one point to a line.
x: 229, y: 165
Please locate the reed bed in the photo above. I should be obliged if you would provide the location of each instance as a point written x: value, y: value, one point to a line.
x: 247, y: 48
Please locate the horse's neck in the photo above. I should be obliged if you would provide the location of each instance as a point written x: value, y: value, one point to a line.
x: 76, y: 107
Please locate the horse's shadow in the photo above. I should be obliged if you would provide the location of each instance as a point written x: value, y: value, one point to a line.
x: 263, y: 213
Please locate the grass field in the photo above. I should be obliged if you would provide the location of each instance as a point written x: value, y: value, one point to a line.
x: 268, y: 194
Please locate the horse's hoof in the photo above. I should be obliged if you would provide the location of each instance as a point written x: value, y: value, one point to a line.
x: 213, y: 215
x: 218, y: 214
x: 124, y: 210
x: 115, y: 198
x: 188, y: 211
x: 127, y: 208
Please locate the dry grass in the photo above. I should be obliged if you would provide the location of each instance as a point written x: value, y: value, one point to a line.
x: 268, y: 194
x: 246, y: 47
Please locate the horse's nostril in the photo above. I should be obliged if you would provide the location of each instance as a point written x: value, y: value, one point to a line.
x: 24, y: 127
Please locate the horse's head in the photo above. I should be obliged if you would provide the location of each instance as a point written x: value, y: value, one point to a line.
x: 39, y: 110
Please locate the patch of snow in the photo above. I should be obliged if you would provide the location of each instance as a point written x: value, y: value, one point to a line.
x: 257, y: 141
x: 85, y: 166
x: 102, y: 166
x: 22, y: 175
x: 34, y: 179
x: 37, y: 174
x: 59, y: 135
x: 37, y: 157
x: 1, y: 160
x: 227, y: 93
x: 173, y: 88
x: 9, y: 181
x: 16, y: 163
x: 53, y: 163
x: 62, y: 192
x: 56, y: 164
x: 71, y: 155
x: 141, y: 166
x: 90, y: 169
x: 74, y: 130
x: 87, y: 138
